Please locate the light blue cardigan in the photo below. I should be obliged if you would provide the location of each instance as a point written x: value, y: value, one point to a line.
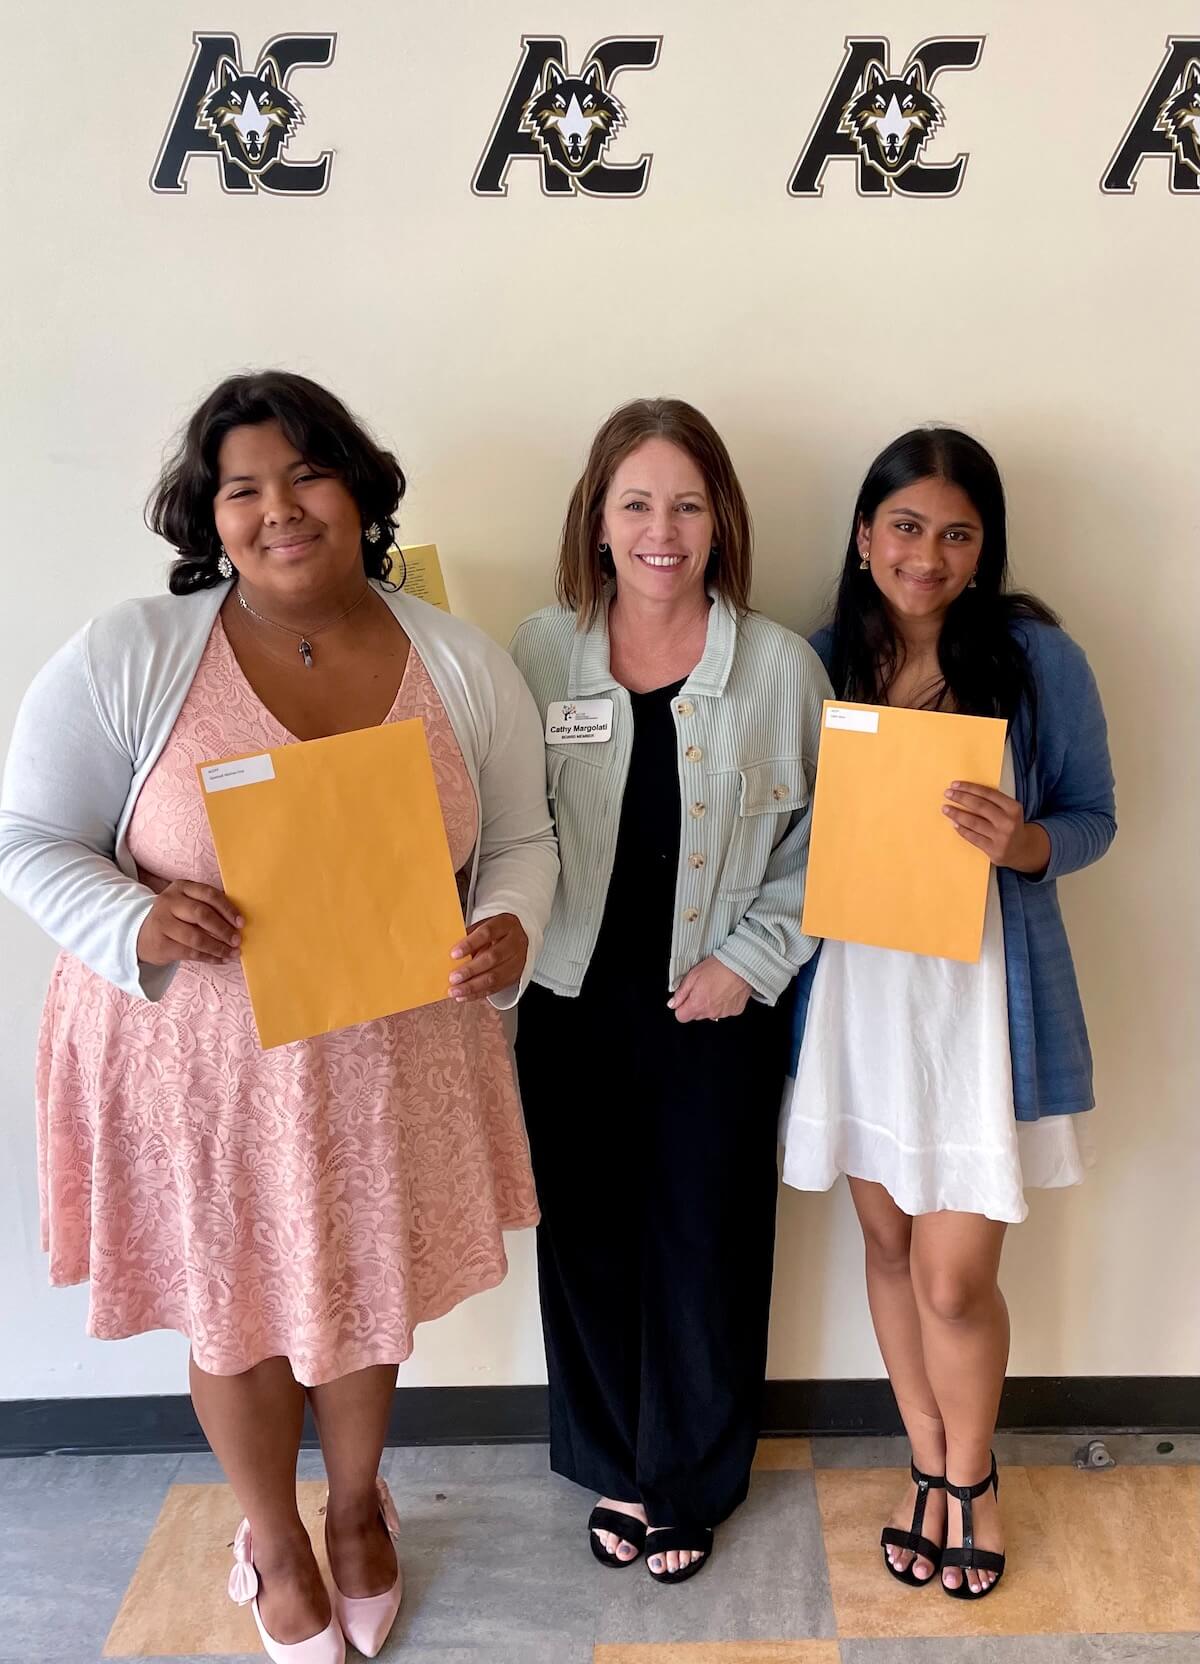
x: 96, y: 719
x: 1068, y: 790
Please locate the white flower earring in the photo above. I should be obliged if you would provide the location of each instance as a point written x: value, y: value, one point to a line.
x: 224, y: 564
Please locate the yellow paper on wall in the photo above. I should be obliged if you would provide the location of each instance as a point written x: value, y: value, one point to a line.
x: 335, y: 852
x: 886, y: 867
x: 418, y: 566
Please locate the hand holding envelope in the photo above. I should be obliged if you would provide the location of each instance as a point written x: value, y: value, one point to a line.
x: 886, y: 866
x: 335, y: 851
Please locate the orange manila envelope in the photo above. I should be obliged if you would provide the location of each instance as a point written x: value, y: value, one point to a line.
x: 335, y: 852
x: 886, y: 867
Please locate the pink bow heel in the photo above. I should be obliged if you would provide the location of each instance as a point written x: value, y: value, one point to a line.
x: 329, y: 1647
x: 366, y: 1622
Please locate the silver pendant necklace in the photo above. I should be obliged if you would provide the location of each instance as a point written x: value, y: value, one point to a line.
x: 303, y: 638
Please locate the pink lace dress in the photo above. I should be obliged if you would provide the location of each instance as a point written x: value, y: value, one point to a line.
x: 316, y: 1201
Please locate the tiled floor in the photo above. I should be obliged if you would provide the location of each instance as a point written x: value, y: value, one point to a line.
x: 125, y: 1558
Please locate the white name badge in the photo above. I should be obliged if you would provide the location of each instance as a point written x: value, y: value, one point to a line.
x: 579, y: 721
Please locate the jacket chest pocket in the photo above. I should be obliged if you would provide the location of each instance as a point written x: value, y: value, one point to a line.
x: 569, y: 775
x: 576, y: 788
x: 554, y: 763
x: 769, y: 794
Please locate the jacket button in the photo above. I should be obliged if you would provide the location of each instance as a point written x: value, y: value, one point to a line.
x: 685, y: 707
x: 695, y: 859
x: 780, y: 792
x: 693, y: 753
x: 690, y: 915
x: 698, y: 810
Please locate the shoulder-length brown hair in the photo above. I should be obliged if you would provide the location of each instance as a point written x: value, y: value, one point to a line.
x: 583, y: 571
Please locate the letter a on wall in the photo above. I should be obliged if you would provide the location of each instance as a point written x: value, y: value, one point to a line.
x: 244, y: 114
x: 566, y: 121
x: 1167, y: 124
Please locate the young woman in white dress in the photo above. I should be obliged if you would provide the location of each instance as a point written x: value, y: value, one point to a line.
x: 940, y: 1089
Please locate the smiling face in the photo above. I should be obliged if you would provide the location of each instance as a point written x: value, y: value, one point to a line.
x: 924, y: 544
x: 291, y: 529
x: 658, y: 522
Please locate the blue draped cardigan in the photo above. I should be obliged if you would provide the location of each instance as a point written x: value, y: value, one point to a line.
x: 1067, y: 788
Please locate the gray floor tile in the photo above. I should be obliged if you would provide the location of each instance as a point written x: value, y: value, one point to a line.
x: 492, y: 1562
x: 1130, y: 1449
x: 1029, y: 1649
x: 89, y: 1513
x: 768, y: 1578
x: 488, y: 1651
x: 419, y: 1462
x: 189, y: 1658
x: 1015, y: 1449
x: 466, y: 1461
x: 98, y: 1481
x: 855, y: 1452
x: 204, y: 1469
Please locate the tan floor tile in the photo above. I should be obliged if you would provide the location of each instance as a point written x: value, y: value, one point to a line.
x: 719, y: 1652
x: 1128, y: 1540
x: 176, y: 1602
x: 1115, y: 1553
x: 1034, y: 1598
x: 780, y: 1455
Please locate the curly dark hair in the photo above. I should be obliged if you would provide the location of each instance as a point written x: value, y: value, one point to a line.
x: 312, y: 419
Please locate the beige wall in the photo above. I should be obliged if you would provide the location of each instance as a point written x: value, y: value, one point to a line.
x: 486, y: 338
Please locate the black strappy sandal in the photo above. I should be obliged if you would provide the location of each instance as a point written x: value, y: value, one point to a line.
x: 693, y: 1539
x: 968, y: 1557
x: 892, y: 1537
x: 625, y: 1525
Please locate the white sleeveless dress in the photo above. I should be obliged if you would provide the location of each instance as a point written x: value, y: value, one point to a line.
x: 905, y: 1078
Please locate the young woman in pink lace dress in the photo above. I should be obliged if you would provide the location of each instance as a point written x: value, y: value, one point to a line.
x: 294, y: 1212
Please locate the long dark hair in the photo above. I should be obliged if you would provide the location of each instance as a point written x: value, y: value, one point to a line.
x: 312, y: 419
x: 984, y: 665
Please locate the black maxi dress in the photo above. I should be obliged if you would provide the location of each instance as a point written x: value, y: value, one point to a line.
x: 654, y: 1153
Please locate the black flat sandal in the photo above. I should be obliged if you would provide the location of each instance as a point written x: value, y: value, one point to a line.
x: 892, y: 1537
x: 625, y: 1525
x: 693, y: 1539
x: 968, y: 1557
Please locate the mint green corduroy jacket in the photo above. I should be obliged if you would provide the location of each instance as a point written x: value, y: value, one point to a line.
x: 747, y: 723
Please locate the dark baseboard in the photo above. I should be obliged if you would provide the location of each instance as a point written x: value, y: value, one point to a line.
x: 517, y: 1415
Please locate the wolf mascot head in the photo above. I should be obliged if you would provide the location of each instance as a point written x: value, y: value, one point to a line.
x: 250, y: 116
x: 892, y: 117
x: 573, y: 117
x: 1181, y: 118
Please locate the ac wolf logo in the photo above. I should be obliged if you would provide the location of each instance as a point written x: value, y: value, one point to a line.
x: 244, y: 121
x: 882, y: 122
x: 251, y: 116
x: 1181, y: 118
x: 573, y: 117
x: 891, y: 119
x: 566, y: 122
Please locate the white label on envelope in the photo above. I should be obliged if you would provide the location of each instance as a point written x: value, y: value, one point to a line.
x: 858, y: 722
x: 247, y: 771
x: 579, y: 721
